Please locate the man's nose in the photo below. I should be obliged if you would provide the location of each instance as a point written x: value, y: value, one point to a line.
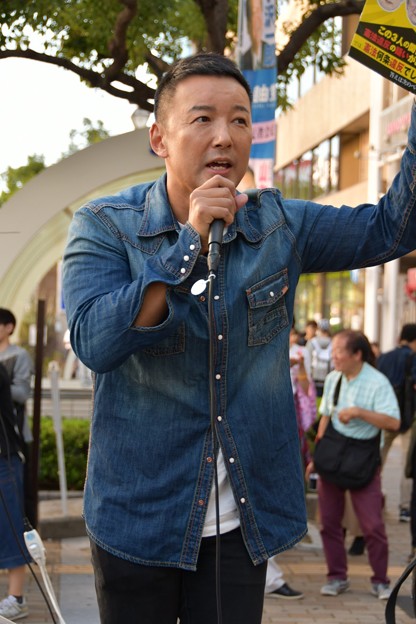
x: 222, y: 134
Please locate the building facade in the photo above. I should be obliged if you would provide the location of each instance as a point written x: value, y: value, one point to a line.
x: 341, y: 143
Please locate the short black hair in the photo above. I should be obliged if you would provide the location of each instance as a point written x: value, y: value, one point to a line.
x: 408, y: 332
x: 201, y: 64
x: 6, y: 317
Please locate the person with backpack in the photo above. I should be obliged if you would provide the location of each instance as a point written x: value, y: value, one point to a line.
x: 399, y: 366
x: 320, y: 350
x: 19, y: 366
x: 13, y: 553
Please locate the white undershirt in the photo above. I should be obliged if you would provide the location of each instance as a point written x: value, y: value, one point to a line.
x: 229, y: 518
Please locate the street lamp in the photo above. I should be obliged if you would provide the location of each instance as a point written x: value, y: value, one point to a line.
x: 140, y: 117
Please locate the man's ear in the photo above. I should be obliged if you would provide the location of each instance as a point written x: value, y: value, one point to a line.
x: 156, y: 136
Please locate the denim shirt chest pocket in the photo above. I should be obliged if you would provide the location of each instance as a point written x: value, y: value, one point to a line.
x: 267, y: 313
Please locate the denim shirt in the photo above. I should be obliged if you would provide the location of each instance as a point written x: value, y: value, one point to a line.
x: 150, y: 466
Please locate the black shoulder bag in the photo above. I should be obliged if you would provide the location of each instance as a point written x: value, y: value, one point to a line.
x: 349, y: 463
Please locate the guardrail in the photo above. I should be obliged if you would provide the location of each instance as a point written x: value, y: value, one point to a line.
x: 75, y: 399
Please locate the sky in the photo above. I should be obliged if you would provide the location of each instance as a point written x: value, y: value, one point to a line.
x: 41, y: 104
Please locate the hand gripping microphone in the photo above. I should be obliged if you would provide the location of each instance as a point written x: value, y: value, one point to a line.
x: 214, y: 243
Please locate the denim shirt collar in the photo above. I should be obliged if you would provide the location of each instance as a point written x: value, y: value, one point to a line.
x: 158, y: 217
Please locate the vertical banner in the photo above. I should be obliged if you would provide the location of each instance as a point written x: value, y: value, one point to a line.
x: 385, y: 40
x: 257, y: 60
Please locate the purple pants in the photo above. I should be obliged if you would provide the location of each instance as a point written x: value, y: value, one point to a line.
x: 368, y: 506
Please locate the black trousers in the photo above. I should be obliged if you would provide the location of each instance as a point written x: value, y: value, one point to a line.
x: 137, y: 594
x: 413, y: 510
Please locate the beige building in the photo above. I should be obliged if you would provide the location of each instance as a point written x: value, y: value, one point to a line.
x: 341, y: 144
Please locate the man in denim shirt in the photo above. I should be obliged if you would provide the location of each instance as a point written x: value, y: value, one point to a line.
x: 129, y: 267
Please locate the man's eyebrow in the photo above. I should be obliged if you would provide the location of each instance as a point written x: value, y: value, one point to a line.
x: 206, y: 107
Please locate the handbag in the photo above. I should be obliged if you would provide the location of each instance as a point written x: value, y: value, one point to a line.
x: 349, y: 463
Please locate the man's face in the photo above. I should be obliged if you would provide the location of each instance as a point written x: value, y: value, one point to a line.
x: 411, y: 11
x: 205, y: 130
x: 343, y: 359
x: 5, y: 332
x: 310, y: 332
x: 389, y: 5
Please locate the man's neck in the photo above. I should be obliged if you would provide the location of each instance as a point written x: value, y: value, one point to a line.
x: 354, y: 373
x: 410, y: 345
x: 179, y: 202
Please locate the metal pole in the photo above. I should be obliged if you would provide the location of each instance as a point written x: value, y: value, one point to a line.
x: 57, y: 423
x: 37, y: 398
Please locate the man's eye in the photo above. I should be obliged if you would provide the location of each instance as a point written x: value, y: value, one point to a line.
x: 240, y: 121
x: 202, y: 119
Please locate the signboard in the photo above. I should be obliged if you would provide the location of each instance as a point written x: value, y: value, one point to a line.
x: 385, y: 40
x: 394, y: 126
x: 257, y: 61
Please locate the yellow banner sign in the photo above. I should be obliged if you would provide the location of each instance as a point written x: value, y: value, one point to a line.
x: 385, y: 40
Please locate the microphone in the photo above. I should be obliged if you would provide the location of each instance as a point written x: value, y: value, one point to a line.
x: 214, y: 243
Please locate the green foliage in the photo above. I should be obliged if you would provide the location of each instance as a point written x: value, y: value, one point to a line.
x: 88, y: 136
x: 15, y: 178
x: 87, y: 34
x: 82, y: 29
x: 321, y: 50
x: 75, y: 434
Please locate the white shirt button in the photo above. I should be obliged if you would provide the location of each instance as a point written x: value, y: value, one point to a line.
x: 220, y: 337
x: 242, y: 500
x: 186, y: 258
x: 271, y: 293
x: 216, y: 297
x: 183, y: 271
x: 219, y: 418
x: 217, y: 376
x: 192, y: 247
x: 231, y: 460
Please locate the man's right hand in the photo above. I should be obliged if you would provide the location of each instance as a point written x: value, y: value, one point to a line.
x: 215, y: 199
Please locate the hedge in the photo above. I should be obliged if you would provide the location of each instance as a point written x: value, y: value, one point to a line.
x: 75, y: 433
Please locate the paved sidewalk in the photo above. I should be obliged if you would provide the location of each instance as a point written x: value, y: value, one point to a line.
x: 69, y: 568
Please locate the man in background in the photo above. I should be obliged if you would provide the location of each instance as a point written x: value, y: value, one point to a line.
x: 320, y: 352
x: 396, y: 364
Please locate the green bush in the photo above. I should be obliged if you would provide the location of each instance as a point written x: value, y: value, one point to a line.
x: 75, y: 433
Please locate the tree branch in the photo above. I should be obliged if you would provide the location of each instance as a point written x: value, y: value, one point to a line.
x: 139, y: 94
x: 315, y: 19
x: 156, y: 64
x: 215, y: 16
x: 117, y: 45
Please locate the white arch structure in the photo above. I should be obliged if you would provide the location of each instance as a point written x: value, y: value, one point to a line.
x: 34, y: 222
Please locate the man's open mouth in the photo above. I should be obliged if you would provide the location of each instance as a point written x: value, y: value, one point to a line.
x: 218, y: 165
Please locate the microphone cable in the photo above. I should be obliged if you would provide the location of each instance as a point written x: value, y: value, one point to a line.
x: 215, y: 444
